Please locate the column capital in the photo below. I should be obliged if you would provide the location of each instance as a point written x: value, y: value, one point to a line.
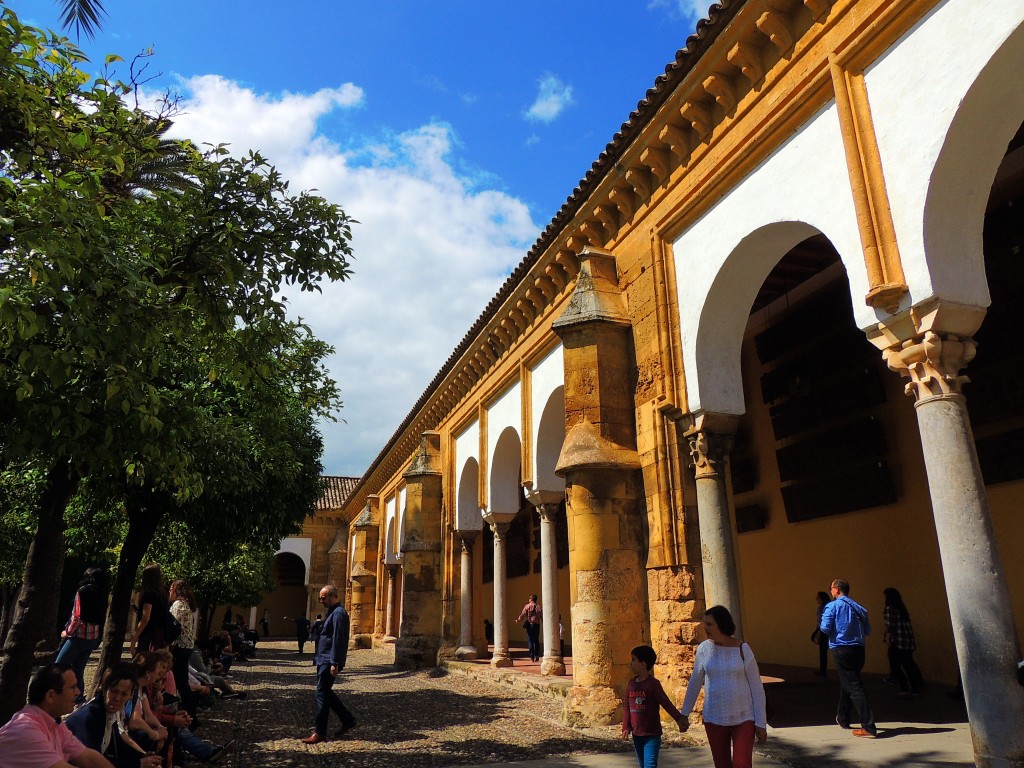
x: 467, y: 538
x: 932, y: 362
x: 929, y: 344
x: 708, y: 451
x: 540, y: 498
x: 500, y: 530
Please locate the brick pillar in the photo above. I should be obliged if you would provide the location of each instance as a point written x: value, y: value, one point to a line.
x: 366, y: 528
x: 604, y: 494
x: 420, y: 636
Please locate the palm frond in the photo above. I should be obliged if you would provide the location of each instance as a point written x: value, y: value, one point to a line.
x: 82, y: 16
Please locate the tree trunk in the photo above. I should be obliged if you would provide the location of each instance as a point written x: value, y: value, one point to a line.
x: 35, y: 614
x: 143, y: 520
x: 8, y: 595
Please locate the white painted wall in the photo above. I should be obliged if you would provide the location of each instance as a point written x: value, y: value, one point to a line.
x: 935, y: 80
x: 467, y: 449
x: 392, y: 548
x: 547, y: 378
x: 303, y: 547
x: 723, y: 258
x: 505, y: 413
x: 944, y: 110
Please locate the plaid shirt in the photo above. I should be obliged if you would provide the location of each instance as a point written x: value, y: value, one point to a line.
x: 78, y: 628
x: 901, y: 634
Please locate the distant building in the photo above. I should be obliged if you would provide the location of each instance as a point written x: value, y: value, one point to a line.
x: 307, y: 561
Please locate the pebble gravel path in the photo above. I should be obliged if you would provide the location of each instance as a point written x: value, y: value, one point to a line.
x: 406, y: 719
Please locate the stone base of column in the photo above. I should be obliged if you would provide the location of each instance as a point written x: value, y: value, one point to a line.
x: 500, y: 659
x: 389, y: 640
x: 417, y: 652
x: 466, y: 653
x: 597, y: 705
x: 553, y: 666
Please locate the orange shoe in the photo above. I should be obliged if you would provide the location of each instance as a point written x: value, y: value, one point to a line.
x: 314, y: 738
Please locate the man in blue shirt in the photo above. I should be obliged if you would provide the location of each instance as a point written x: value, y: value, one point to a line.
x: 846, y: 625
x: 331, y: 651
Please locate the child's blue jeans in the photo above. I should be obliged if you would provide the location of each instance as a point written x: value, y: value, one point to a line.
x: 647, y: 748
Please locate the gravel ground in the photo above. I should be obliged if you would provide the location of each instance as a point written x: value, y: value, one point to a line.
x: 406, y: 719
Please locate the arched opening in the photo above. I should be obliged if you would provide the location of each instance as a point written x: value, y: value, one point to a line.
x: 287, y: 601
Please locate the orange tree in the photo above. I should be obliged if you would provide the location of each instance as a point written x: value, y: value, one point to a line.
x: 105, y: 271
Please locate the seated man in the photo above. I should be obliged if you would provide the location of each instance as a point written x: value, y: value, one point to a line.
x: 35, y: 737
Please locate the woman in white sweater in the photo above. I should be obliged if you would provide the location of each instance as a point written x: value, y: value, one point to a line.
x: 734, y: 708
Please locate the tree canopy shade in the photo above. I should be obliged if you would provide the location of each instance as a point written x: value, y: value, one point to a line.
x: 129, y: 287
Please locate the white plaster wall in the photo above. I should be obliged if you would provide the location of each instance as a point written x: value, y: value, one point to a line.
x: 401, y: 520
x: 545, y: 377
x: 392, y: 548
x: 917, y: 90
x: 722, y: 259
x: 467, y: 449
x: 505, y: 412
x: 302, y: 547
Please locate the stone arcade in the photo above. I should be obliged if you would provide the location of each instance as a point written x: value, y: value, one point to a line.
x: 691, y: 390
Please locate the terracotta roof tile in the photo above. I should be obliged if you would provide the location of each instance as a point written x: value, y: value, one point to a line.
x: 336, y: 490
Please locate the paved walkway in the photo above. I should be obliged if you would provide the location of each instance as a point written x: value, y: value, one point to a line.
x: 438, y: 718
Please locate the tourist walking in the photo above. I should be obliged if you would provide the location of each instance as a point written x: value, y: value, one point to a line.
x: 330, y: 655
x: 530, y: 616
x: 302, y: 625
x: 846, y: 624
x: 899, y: 640
x: 265, y: 622
x: 734, y: 702
x: 642, y: 706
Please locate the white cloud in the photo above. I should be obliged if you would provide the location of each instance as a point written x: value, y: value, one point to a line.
x: 431, y: 248
x: 553, y: 96
x: 687, y: 9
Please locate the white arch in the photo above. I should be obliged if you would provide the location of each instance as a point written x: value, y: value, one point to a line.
x: 300, y: 546
x: 547, y: 398
x: 504, y: 422
x: 506, y: 464
x: 467, y: 513
x: 722, y: 260
x: 392, y: 543
x: 943, y: 115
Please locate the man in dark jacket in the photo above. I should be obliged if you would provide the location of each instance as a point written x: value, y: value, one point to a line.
x: 331, y: 652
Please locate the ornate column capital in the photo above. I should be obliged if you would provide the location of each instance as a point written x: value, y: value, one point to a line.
x: 708, y: 451
x: 467, y: 538
x: 500, y: 530
x: 929, y: 344
x: 932, y: 362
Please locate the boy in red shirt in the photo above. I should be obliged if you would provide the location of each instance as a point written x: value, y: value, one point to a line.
x: 641, y: 715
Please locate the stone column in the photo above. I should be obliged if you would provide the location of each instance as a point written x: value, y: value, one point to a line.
x: 604, y: 493
x: 420, y: 636
x: 466, y: 649
x: 709, y: 446
x: 499, y: 526
x: 389, y: 611
x: 364, y: 570
x: 547, y: 503
x: 986, y: 637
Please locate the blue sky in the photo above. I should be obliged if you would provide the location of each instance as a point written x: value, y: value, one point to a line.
x: 453, y: 131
